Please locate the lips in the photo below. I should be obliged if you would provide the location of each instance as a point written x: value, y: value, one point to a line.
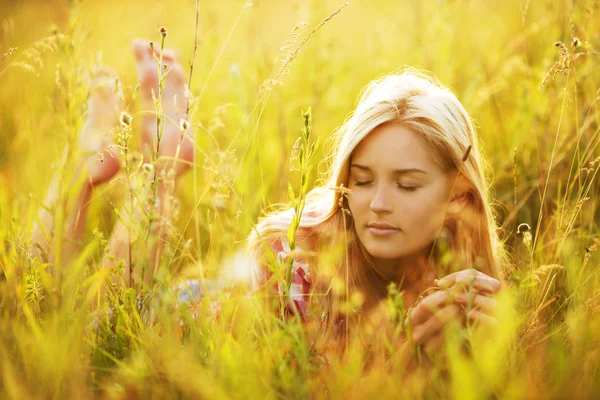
x: 381, y: 229
x: 382, y: 225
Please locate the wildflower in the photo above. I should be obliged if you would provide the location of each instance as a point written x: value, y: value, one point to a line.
x: 218, y: 203
x: 525, y: 230
x: 344, y: 192
x: 524, y: 227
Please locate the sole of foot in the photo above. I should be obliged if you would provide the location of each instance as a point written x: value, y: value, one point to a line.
x: 96, y: 135
x: 176, y: 133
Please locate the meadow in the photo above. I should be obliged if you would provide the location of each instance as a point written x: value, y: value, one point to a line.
x: 526, y: 71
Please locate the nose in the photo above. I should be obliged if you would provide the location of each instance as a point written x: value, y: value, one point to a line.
x: 381, y: 203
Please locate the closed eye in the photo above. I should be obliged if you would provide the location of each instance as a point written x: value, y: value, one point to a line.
x: 405, y: 188
x: 408, y: 188
x: 362, y: 183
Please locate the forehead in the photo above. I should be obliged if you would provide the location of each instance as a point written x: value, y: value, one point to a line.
x: 393, y: 146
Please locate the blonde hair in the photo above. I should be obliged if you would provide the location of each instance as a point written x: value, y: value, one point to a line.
x: 421, y: 103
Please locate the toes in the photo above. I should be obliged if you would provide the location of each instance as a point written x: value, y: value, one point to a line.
x: 169, y: 55
x: 175, y: 75
x: 147, y: 69
x: 104, y: 98
x: 141, y: 50
x: 104, y: 72
x: 104, y: 82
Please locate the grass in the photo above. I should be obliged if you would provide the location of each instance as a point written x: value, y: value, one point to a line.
x: 526, y: 72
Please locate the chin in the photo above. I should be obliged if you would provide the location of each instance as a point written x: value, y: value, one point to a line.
x: 386, y: 252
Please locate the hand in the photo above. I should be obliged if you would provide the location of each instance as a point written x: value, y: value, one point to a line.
x: 474, y: 292
x: 431, y: 316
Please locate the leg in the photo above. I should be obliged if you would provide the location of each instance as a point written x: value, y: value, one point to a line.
x: 95, y: 164
x: 169, y: 149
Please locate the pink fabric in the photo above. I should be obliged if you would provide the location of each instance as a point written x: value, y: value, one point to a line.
x: 301, y: 281
x: 192, y: 291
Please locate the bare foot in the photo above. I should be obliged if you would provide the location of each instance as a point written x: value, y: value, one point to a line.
x: 173, y: 102
x: 95, y: 137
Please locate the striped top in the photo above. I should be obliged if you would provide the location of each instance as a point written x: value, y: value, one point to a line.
x: 301, y: 281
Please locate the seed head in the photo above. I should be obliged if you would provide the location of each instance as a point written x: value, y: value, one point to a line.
x: 176, y: 209
x: 125, y: 119
x: 183, y: 125
x: 296, y: 149
x: 163, y: 32
x: 564, y: 52
x: 8, y: 53
x: 148, y: 167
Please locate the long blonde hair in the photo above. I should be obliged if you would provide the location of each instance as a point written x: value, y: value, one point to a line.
x: 421, y: 103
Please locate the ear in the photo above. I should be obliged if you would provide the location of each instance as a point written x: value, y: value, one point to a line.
x: 458, y: 202
x: 461, y: 196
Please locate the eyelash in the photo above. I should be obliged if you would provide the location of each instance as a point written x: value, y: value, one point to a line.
x: 407, y: 188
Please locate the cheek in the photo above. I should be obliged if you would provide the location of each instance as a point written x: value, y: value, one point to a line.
x: 424, y: 210
x: 357, y: 204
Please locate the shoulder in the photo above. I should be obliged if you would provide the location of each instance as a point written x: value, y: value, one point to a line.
x: 300, y: 264
x: 279, y: 257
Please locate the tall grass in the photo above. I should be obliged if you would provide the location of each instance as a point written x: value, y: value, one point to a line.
x: 527, y: 73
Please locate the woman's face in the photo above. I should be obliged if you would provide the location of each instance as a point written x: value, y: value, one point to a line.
x: 398, y: 193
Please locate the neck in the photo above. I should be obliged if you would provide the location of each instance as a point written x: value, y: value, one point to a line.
x: 404, y: 270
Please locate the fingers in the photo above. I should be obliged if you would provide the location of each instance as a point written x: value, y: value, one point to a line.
x: 437, y: 321
x: 434, y: 343
x: 481, y: 319
x: 488, y: 305
x: 477, y: 279
x: 429, y: 305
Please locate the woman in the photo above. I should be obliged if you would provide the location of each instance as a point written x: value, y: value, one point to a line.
x: 405, y: 203
x: 406, y: 200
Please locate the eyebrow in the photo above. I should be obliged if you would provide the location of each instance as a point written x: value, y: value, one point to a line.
x: 396, y: 171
